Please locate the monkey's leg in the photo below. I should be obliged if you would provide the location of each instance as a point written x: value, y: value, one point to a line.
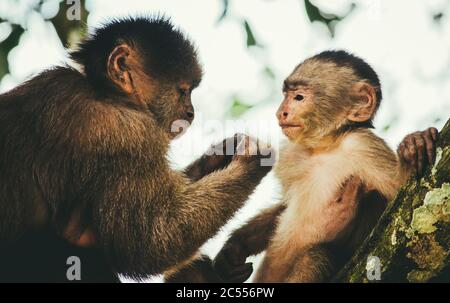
x: 199, y: 270
x: 250, y: 239
x: 41, y: 256
x: 312, y: 266
x: 288, y: 266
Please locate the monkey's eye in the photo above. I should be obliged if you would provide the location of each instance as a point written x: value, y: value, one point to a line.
x: 299, y: 97
x: 182, y: 92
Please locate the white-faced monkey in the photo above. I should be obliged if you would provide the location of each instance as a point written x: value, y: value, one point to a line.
x: 83, y: 155
x: 329, y: 102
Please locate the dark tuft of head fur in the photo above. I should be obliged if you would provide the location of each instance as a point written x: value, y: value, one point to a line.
x: 361, y: 68
x: 167, y: 53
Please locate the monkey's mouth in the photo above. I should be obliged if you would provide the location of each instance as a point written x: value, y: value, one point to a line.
x: 290, y: 126
x: 179, y: 127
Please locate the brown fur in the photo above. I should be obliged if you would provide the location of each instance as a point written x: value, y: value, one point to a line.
x: 325, y: 98
x: 68, y: 147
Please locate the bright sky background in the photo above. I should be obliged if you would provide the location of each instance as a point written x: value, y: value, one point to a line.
x: 400, y: 39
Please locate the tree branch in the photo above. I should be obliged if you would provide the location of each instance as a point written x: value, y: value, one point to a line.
x: 412, y: 238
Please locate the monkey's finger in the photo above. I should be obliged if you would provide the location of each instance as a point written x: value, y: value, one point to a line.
x: 238, y: 257
x: 434, y: 133
x: 241, y: 273
x: 229, y: 258
x: 340, y: 193
x: 411, y: 153
x: 352, y: 190
x: 242, y: 146
x: 430, y: 145
x: 420, y: 146
x: 237, y: 139
x: 233, y: 254
x: 222, y: 267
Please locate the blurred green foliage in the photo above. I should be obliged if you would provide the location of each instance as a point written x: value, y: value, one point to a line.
x: 313, y: 13
x: 238, y: 107
x: 69, y: 31
x: 251, y: 41
x: 7, y: 45
x: 330, y: 20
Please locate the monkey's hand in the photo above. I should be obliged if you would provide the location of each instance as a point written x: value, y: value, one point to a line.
x: 252, y: 150
x: 219, y: 155
x: 341, y: 210
x: 417, y: 150
x: 77, y: 236
x: 230, y: 264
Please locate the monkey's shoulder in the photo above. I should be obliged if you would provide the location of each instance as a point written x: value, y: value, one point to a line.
x: 60, y: 82
x: 373, y: 161
x: 64, y: 110
x: 365, y: 143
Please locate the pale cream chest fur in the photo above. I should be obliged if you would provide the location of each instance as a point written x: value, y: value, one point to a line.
x: 310, y: 181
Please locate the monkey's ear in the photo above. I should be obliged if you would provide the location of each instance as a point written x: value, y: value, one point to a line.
x: 365, y: 102
x: 118, y: 68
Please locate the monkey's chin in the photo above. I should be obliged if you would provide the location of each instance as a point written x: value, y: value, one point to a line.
x: 292, y: 132
x: 178, y: 128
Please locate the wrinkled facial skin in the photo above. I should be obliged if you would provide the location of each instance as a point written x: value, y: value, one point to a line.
x: 316, y: 101
x: 172, y: 107
x: 295, y: 110
x: 166, y: 96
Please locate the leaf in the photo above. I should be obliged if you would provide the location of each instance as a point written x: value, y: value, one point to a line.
x: 313, y: 12
x: 330, y: 20
x: 66, y: 28
x: 437, y: 18
x: 238, y: 108
x: 7, y: 45
x: 224, y: 11
x: 269, y: 72
x: 251, y: 41
x: 386, y: 128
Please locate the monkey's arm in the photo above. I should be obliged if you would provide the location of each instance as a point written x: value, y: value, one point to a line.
x: 217, y: 157
x: 148, y: 224
x: 205, y: 165
x: 255, y: 235
x: 250, y: 239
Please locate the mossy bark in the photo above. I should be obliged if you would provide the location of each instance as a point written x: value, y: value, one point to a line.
x: 412, y: 238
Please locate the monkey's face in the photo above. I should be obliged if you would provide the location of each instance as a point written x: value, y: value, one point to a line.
x: 295, y: 110
x: 172, y: 107
x: 320, y: 98
x: 166, y: 95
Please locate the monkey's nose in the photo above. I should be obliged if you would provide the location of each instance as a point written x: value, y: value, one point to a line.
x: 190, y: 115
x: 285, y: 114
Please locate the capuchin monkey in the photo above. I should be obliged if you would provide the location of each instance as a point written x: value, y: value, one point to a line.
x: 336, y: 175
x: 83, y: 161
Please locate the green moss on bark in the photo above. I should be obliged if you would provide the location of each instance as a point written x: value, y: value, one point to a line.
x: 412, y: 238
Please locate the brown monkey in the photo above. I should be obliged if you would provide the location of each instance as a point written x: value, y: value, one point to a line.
x: 83, y: 159
x: 330, y: 101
